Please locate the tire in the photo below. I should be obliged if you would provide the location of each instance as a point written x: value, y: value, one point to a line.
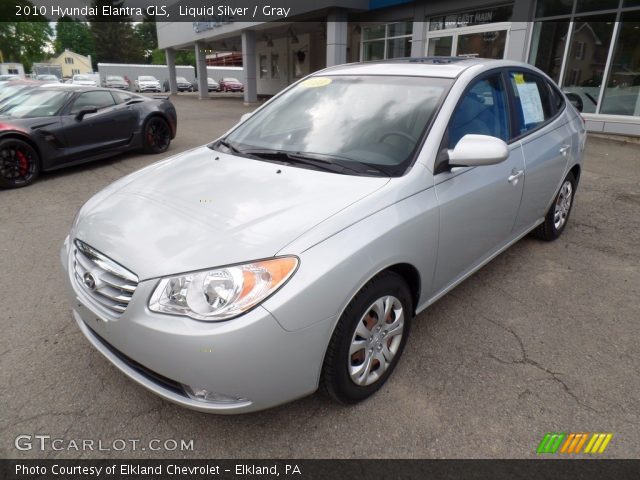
x: 19, y: 163
x: 558, y: 215
x: 351, y: 374
x: 156, y: 135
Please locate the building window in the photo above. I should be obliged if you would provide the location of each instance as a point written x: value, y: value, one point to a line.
x: 622, y: 90
x: 573, y: 48
x: 68, y: 60
x: 13, y: 71
x: 275, y: 66
x: 262, y: 65
x: 382, y: 41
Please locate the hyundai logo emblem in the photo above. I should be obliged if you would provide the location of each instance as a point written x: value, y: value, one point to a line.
x: 89, y: 281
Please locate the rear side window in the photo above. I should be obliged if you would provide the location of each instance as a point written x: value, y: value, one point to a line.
x: 482, y: 111
x: 557, y: 99
x: 532, y: 101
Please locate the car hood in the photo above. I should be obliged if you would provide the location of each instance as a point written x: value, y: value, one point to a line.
x: 149, y: 82
x: 89, y: 83
x: 205, y: 209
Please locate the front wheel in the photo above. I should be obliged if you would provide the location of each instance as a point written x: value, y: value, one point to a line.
x: 156, y: 136
x: 558, y: 214
x: 368, y: 339
x: 19, y: 163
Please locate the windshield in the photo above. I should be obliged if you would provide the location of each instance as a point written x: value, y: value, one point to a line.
x: 371, y: 120
x: 10, y: 90
x: 46, y: 77
x: 35, y: 103
x: 114, y: 78
x: 181, y: 80
x: 81, y: 77
x: 231, y: 80
x: 147, y: 79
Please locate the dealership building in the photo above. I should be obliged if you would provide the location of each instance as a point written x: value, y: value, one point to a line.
x: 590, y: 47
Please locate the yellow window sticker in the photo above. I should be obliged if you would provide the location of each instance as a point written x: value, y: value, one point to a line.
x: 316, y: 82
x: 519, y: 78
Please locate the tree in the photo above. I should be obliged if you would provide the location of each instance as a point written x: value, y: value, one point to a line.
x: 114, y: 36
x: 146, y: 33
x: 74, y: 35
x: 24, y: 42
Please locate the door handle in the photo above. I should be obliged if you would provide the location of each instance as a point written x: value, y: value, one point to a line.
x: 564, y: 149
x: 515, y: 176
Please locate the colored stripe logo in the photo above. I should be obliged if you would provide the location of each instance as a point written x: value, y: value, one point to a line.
x: 572, y: 443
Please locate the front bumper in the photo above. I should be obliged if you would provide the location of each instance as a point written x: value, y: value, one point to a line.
x: 149, y: 88
x: 251, y: 357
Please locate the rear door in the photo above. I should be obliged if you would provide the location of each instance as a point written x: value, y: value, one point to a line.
x: 546, y: 141
x: 478, y: 205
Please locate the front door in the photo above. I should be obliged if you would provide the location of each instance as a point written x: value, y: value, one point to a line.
x: 478, y: 205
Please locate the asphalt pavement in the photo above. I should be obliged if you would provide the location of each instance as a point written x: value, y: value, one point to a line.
x: 543, y: 339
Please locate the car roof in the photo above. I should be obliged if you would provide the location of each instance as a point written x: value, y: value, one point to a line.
x: 443, y: 67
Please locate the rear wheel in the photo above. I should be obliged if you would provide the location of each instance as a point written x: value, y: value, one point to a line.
x: 368, y: 340
x: 19, y: 163
x: 156, y: 135
x: 558, y: 214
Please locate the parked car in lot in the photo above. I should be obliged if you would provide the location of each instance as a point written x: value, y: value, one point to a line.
x: 55, y: 126
x: 9, y: 78
x: 182, y: 83
x: 147, y: 83
x: 295, y: 250
x: 84, y: 80
x: 231, y: 84
x: 213, y: 85
x: 47, y: 78
x: 115, y: 81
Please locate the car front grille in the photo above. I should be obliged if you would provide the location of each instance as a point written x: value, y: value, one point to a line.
x: 103, y: 280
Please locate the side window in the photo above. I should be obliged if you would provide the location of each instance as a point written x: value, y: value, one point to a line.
x: 557, y: 99
x: 483, y: 111
x: 92, y: 99
x: 532, y: 101
x: 122, y: 97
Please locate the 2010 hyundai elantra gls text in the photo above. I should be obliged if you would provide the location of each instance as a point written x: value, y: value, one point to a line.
x: 294, y: 251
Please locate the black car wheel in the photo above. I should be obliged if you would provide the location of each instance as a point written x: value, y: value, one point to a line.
x: 19, y: 163
x: 368, y: 339
x: 156, y: 135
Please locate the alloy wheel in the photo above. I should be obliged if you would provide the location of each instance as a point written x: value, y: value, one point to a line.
x: 376, y: 340
x: 17, y: 164
x: 563, y: 205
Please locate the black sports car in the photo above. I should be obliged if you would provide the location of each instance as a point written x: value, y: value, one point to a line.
x: 55, y: 126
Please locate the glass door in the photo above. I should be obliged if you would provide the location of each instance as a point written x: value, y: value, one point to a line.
x: 488, y: 44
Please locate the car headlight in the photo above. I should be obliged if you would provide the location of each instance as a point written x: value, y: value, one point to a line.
x: 222, y: 293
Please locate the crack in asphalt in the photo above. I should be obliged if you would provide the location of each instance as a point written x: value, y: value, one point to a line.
x: 525, y: 360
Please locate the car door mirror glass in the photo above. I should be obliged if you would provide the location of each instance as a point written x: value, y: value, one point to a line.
x: 86, y: 110
x: 476, y: 150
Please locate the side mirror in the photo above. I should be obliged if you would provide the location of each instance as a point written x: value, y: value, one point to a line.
x: 84, y: 111
x: 245, y: 116
x: 575, y: 100
x: 477, y: 150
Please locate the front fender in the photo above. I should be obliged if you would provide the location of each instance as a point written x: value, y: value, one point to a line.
x: 332, y: 272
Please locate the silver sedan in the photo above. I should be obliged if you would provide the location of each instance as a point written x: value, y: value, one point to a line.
x: 294, y: 251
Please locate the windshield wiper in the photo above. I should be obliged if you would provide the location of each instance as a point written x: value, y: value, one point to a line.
x: 228, y: 145
x: 331, y: 163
